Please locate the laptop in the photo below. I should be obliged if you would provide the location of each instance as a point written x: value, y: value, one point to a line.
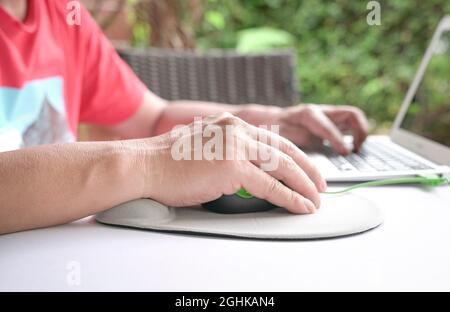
x: 419, y: 143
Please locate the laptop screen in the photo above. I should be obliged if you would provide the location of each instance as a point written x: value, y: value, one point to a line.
x: 429, y: 113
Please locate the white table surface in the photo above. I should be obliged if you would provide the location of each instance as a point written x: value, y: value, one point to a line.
x: 411, y: 251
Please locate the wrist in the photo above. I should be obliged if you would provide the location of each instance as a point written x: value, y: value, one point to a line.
x: 130, y: 163
x: 260, y: 115
x: 151, y: 163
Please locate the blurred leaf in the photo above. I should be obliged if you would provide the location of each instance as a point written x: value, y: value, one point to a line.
x: 216, y: 19
x: 263, y: 39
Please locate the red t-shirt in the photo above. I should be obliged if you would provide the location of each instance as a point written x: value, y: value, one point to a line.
x: 54, y: 75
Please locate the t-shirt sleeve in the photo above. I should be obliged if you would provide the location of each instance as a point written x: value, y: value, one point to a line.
x: 111, y: 92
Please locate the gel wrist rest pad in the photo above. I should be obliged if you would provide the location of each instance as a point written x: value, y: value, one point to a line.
x: 340, y: 215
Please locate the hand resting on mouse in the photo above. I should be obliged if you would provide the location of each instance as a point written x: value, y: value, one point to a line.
x: 294, y: 184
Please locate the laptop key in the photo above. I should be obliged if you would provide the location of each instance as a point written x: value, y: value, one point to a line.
x: 375, y: 157
x: 420, y: 166
x: 347, y: 167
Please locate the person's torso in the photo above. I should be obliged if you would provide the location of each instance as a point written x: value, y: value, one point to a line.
x: 33, y: 79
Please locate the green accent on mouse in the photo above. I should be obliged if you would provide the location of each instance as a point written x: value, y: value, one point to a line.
x: 244, y: 194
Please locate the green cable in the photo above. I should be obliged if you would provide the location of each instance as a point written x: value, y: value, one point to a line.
x: 433, y: 181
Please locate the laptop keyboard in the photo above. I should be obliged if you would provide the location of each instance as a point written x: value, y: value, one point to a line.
x: 375, y: 157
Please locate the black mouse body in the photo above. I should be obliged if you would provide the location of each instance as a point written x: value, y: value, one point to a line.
x: 235, y: 204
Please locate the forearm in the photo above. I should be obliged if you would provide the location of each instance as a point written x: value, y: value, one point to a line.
x: 184, y: 112
x: 55, y: 184
x: 157, y: 116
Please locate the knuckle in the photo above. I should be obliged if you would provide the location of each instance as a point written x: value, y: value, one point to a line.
x: 225, y: 115
x: 227, y: 119
x: 309, y: 109
x: 290, y: 164
x: 293, y: 198
x: 355, y: 110
x: 290, y: 147
x: 272, y: 186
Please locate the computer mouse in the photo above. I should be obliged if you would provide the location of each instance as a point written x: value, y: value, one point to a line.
x: 241, y: 202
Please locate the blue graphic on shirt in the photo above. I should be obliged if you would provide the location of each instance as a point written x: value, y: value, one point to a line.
x: 35, y: 114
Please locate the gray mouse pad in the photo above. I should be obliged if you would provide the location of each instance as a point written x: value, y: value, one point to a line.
x: 341, y: 215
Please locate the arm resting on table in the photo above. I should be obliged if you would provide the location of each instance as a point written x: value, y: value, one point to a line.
x: 55, y: 184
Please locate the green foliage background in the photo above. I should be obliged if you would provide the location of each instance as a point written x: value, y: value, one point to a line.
x: 341, y: 59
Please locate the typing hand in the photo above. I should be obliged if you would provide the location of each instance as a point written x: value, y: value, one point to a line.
x: 309, y: 125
